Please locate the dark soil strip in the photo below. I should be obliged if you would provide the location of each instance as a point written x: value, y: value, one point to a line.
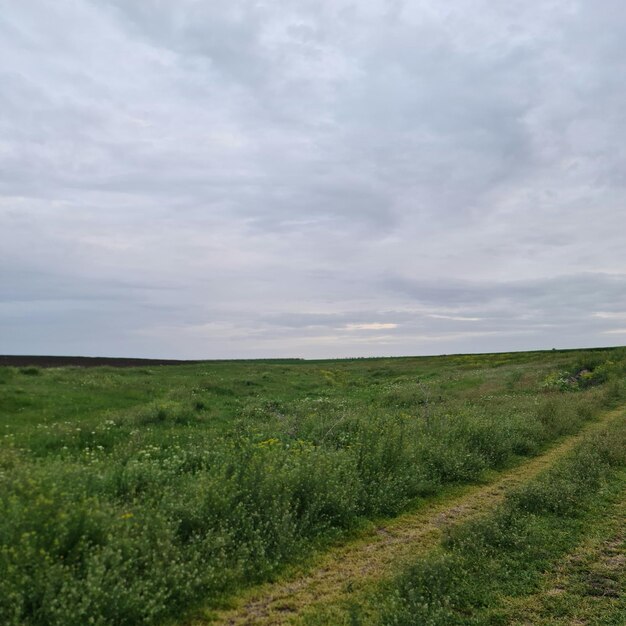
x: 85, y: 361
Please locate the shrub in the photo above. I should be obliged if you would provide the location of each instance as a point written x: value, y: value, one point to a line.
x: 30, y: 371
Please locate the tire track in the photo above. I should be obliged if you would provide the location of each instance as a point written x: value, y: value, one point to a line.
x: 347, y: 570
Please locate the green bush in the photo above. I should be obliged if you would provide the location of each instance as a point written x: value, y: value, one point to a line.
x: 30, y: 371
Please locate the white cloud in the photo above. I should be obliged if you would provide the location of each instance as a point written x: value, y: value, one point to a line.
x: 610, y: 315
x: 236, y: 179
x: 371, y: 326
x: 456, y: 318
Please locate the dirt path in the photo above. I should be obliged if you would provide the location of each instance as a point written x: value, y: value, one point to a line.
x: 585, y: 586
x: 348, y: 569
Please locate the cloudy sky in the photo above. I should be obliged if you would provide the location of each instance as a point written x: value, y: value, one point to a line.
x: 198, y: 179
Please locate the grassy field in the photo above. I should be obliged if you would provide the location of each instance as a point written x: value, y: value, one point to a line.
x: 147, y: 495
x: 485, y: 571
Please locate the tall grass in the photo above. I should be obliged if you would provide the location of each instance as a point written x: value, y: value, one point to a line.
x: 505, y: 553
x: 148, y: 512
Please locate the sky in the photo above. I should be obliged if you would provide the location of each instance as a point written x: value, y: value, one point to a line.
x: 297, y: 178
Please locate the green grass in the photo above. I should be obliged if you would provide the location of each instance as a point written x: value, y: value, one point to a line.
x: 587, y: 585
x: 129, y: 496
x: 486, y: 569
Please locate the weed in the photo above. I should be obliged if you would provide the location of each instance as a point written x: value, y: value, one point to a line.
x: 131, y: 496
x: 503, y: 554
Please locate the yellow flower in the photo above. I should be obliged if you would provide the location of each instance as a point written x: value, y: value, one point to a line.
x: 269, y: 442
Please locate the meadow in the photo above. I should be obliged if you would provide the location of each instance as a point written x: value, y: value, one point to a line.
x: 150, y: 495
x: 489, y: 570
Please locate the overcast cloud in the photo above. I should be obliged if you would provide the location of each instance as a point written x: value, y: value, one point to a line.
x: 311, y: 178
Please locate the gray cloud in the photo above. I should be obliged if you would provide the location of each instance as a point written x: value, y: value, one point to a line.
x: 311, y: 178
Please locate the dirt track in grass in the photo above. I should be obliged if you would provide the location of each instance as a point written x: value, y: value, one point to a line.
x: 348, y: 569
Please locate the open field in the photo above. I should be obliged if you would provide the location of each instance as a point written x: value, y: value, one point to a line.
x: 328, y: 592
x: 488, y: 564
x: 164, y: 494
